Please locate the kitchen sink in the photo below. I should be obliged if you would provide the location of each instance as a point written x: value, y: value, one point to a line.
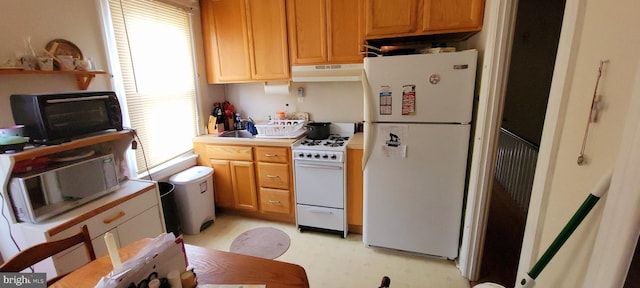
x: 236, y: 134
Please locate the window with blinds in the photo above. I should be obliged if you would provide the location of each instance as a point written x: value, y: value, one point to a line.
x: 155, y: 53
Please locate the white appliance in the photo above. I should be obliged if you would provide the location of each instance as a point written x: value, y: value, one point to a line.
x: 418, y: 111
x: 320, y: 180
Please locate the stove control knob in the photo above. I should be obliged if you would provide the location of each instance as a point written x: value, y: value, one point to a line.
x: 316, y: 156
x: 334, y: 157
x: 309, y: 155
x: 301, y: 155
x: 325, y: 156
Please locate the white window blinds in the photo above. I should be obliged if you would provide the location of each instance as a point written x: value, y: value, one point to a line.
x: 155, y: 54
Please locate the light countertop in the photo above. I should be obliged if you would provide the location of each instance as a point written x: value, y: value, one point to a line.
x: 214, y: 139
x: 357, y: 142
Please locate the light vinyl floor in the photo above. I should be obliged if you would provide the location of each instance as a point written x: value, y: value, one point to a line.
x: 331, y: 261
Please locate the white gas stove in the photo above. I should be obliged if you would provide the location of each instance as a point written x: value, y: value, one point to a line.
x: 325, y: 150
x: 320, y: 180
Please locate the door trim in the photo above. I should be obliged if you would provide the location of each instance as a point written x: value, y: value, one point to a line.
x: 609, y: 265
x: 499, y: 26
x: 492, y: 89
x: 552, y: 130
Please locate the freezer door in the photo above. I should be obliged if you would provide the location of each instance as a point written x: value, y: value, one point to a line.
x: 433, y: 88
x: 414, y: 186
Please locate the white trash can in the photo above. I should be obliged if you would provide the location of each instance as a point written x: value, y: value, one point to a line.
x: 194, y: 198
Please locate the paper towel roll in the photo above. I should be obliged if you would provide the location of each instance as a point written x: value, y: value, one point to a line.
x: 276, y: 88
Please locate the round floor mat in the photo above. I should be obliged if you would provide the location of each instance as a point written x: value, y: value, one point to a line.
x: 264, y: 242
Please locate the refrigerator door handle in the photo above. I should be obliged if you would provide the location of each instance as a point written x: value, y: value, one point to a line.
x: 368, y: 110
x: 369, y: 103
x: 368, y: 143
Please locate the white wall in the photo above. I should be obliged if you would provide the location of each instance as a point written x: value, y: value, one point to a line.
x: 79, y: 22
x: 329, y: 101
x: 43, y: 21
x: 606, y: 31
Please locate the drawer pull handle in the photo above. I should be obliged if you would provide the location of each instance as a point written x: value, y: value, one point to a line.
x: 321, y: 211
x: 271, y: 155
x: 273, y: 176
x: 274, y: 202
x: 113, y: 218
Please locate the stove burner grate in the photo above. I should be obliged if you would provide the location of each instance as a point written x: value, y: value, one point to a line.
x: 334, y: 144
x: 311, y: 142
x: 336, y: 137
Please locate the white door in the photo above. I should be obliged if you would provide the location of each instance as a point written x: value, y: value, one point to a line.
x: 421, y: 87
x: 413, y: 187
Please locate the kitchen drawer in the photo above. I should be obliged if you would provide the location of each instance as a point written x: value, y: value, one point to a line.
x: 144, y: 225
x: 74, y: 258
x: 275, y: 200
x: 108, y: 220
x: 272, y: 154
x: 113, y: 217
x: 273, y: 175
x: 243, y: 153
x: 320, y: 217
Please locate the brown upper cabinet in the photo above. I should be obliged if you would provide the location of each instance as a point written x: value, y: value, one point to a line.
x: 399, y: 18
x: 325, y: 31
x: 245, y: 40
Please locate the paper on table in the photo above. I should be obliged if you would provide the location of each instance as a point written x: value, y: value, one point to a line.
x: 165, y: 249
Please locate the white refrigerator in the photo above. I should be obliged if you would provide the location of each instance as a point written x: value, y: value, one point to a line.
x: 418, y: 110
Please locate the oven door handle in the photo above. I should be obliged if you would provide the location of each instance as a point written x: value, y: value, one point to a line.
x: 317, y: 211
x: 319, y: 166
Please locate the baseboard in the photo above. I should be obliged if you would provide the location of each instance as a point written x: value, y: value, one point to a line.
x: 258, y: 215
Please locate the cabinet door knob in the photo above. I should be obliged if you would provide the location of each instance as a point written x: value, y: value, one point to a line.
x: 274, y: 202
x: 113, y: 218
x: 271, y: 155
x: 273, y: 176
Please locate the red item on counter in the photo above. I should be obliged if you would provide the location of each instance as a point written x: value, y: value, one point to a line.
x: 30, y: 165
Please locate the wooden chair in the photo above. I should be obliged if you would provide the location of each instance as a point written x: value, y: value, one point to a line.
x: 386, y: 282
x: 39, y: 252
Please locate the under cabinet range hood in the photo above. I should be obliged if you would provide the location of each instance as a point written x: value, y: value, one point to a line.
x: 327, y: 73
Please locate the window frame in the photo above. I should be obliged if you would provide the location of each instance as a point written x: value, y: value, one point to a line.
x: 181, y: 161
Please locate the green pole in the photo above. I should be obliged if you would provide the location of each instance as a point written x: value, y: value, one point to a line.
x: 566, y: 232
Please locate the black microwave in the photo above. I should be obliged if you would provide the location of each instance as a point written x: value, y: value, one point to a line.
x: 55, y: 118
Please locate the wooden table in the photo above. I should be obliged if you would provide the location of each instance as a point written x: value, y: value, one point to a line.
x: 210, y: 266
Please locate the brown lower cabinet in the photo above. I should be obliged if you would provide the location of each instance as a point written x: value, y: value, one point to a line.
x: 257, y: 181
x: 354, y: 190
x: 244, y: 186
x: 275, y: 181
x: 253, y: 181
